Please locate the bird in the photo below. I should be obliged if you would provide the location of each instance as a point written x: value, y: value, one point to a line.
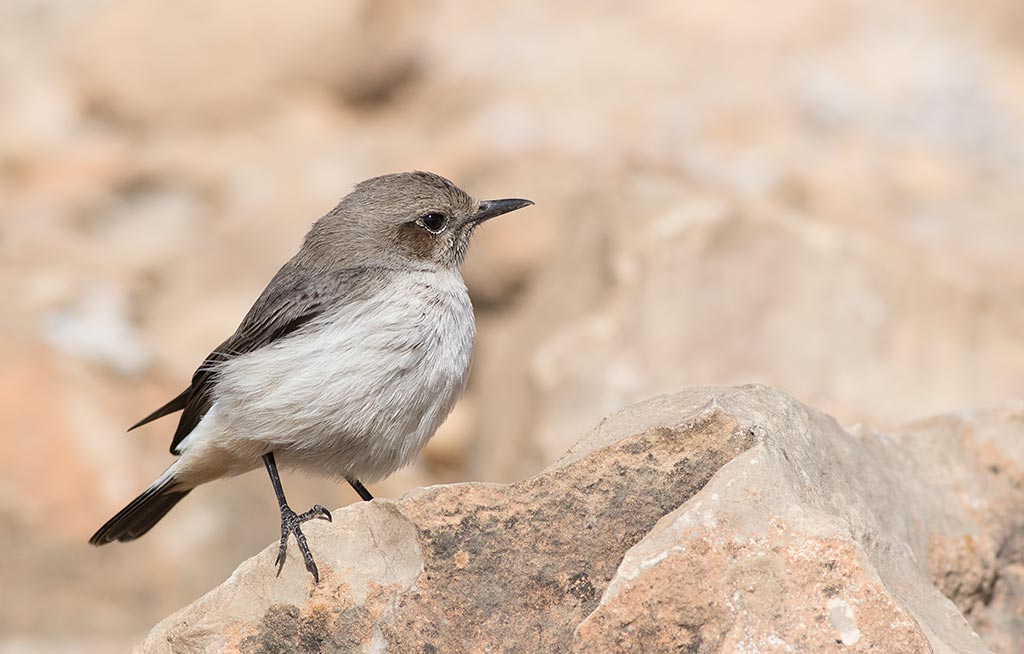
x: 345, y: 365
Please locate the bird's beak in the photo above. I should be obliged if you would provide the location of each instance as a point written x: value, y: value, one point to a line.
x: 492, y: 208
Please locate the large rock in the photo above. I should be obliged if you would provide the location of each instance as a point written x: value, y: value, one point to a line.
x: 713, y: 520
x: 712, y: 290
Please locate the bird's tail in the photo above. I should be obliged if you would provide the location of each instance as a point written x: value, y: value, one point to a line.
x: 142, y: 513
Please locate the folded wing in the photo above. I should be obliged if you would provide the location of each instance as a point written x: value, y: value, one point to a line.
x: 291, y: 301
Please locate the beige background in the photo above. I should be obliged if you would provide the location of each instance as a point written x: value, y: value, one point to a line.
x: 822, y: 196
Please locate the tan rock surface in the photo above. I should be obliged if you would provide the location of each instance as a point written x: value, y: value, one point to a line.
x: 715, y: 290
x: 713, y: 520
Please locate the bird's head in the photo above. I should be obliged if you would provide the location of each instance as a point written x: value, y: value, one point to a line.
x: 417, y: 218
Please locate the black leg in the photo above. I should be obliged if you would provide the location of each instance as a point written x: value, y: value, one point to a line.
x: 291, y: 522
x: 359, y: 488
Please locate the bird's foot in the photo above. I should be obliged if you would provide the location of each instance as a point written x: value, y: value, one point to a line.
x: 291, y: 523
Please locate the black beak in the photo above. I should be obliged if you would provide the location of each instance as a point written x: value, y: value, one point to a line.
x: 493, y: 208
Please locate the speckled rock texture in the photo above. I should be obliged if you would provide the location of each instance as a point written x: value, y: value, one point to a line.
x: 712, y: 520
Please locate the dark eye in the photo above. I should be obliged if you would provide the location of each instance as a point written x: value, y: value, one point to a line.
x: 433, y: 222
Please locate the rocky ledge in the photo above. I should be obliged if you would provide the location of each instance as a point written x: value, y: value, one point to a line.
x: 713, y: 520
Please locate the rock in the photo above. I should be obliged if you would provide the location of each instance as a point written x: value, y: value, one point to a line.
x: 821, y: 540
x: 712, y: 520
x: 711, y: 289
x: 200, y: 61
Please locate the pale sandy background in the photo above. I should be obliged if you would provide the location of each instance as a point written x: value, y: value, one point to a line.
x: 823, y: 196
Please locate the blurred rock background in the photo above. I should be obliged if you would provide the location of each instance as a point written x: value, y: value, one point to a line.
x: 825, y: 197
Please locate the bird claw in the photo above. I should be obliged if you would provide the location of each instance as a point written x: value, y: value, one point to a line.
x: 318, y: 511
x: 291, y: 524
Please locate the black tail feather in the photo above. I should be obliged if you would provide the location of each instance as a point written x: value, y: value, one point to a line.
x: 176, y: 404
x: 141, y: 514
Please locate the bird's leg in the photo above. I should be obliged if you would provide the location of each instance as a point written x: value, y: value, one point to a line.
x: 291, y: 522
x: 359, y: 488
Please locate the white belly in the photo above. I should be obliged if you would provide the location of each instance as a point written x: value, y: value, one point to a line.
x: 356, y: 395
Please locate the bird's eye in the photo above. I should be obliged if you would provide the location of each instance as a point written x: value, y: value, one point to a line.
x: 433, y: 222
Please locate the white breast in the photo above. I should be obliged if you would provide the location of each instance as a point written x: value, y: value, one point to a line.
x: 360, y: 392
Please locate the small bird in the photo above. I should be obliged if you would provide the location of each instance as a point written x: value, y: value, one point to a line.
x: 347, y: 363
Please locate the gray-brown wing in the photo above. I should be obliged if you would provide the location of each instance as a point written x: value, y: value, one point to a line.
x: 291, y: 300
